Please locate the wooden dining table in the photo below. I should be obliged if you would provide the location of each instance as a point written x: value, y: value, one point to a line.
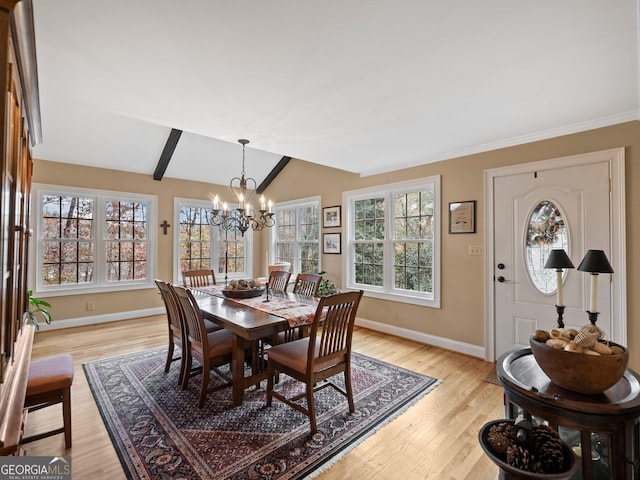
x: 248, y: 325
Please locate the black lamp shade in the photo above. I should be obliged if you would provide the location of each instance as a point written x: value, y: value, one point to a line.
x: 558, y: 258
x: 595, y: 261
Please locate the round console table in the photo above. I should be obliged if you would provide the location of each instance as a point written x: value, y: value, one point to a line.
x: 607, y: 424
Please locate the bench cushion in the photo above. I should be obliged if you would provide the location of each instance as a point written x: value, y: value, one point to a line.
x: 49, y: 374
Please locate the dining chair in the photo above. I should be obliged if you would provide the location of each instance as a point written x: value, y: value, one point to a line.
x: 307, y: 284
x: 279, y: 280
x: 211, y: 350
x: 324, y: 353
x: 177, y: 328
x: 198, y: 278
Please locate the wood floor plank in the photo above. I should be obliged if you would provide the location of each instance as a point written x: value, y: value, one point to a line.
x: 434, y: 439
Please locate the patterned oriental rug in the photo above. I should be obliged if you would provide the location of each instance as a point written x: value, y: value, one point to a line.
x: 160, y: 433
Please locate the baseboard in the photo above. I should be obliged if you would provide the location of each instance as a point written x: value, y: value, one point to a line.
x: 454, y: 345
x: 96, y: 319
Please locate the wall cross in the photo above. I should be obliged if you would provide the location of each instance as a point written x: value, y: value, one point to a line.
x: 164, y: 225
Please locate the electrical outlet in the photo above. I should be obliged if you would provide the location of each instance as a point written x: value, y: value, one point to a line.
x: 91, y: 306
x: 476, y: 250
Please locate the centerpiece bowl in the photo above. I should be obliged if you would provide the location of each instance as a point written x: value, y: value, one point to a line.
x: 579, y: 372
x: 235, y: 293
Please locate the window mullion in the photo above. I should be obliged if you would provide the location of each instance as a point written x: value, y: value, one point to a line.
x: 100, y: 244
x: 389, y: 242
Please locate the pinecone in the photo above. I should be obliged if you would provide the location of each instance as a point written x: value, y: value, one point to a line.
x: 551, y: 456
x: 548, y: 449
x: 501, y: 436
x: 522, y: 459
x: 543, y: 433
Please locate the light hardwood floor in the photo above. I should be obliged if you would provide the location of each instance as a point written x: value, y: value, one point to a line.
x: 437, y: 438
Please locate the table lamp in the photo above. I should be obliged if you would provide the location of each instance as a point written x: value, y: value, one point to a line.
x: 594, y: 262
x: 559, y: 259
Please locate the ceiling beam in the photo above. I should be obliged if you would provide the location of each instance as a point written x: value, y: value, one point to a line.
x: 273, y: 174
x: 167, y: 153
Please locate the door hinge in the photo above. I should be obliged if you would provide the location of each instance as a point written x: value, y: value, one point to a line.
x: 609, y: 185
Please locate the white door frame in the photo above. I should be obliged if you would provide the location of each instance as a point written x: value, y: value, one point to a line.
x: 615, y: 158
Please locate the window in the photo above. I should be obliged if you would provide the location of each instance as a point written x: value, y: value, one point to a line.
x: 296, y: 234
x: 199, y: 245
x: 93, y: 241
x: 194, y: 238
x: 546, y: 231
x: 393, y: 236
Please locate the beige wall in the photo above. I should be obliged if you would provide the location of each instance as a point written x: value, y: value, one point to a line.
x: 461, y: 316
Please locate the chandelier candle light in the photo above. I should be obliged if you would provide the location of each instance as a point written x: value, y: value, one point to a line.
x: 559, y: 259
x: 243, y: 217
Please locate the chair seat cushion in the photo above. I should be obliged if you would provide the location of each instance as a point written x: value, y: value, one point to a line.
x: 49, y: 374
x: 294, y: 355
x: 220, y: 343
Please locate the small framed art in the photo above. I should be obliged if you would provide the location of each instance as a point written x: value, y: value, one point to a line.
x: 462, y: 217
x: 331, y: 243
x: 331, y: 216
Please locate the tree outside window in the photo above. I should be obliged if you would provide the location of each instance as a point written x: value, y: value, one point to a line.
x: 68, y: 242
x: 202, y: 246
x: 297, y: 235
x: 92, y: 239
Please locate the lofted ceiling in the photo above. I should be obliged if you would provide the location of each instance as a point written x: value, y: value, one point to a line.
x: 367, y: 86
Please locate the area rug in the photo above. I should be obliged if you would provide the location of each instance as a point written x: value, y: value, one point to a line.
x: 159, y: 432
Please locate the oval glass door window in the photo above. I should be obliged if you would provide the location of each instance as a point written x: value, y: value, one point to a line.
x: 546, y: 231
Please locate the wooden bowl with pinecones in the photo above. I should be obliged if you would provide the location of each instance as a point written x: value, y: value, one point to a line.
x: 539, y: 455
x: 579, y: 360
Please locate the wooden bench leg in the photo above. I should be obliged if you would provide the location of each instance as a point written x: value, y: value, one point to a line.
x: 66, y: 415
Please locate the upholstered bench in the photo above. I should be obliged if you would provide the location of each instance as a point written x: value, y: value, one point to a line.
x: 49, y: 383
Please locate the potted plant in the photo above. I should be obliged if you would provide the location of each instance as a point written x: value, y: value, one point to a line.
x: 327, y: 287
x: 37, y: 307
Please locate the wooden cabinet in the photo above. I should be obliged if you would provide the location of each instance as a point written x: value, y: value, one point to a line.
x: 19, y: 131
x: 603, y: 428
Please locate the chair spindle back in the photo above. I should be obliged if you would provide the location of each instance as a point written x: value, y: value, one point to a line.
x: 307, y: 284
x: 198, y: 278
x: 279, y: 280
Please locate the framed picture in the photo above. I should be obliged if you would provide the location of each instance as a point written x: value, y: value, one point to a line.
x: 331, y: 216
x: 462, y: 217
x: 331, y: 242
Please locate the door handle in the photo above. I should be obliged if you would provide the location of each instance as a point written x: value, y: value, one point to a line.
x: 501, y: 279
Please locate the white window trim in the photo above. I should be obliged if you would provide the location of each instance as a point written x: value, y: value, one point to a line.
x: 385, y: 293
x: 179, y: 202
x: 100, y: 254
x: 300, y: 202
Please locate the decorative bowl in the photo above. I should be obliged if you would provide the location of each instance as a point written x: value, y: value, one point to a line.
x: 570, y: 463
x: 253, y: 292
x: 579, y: 372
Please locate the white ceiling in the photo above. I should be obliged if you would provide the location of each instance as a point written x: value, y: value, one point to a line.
x: 367, y: 86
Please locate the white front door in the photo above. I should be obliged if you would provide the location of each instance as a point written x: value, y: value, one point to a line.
x: 534, y: 212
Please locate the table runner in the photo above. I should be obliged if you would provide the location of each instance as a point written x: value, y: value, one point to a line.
x: 296, y: 313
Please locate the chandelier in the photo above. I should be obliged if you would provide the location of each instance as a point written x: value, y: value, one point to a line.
x: 243, y: 217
